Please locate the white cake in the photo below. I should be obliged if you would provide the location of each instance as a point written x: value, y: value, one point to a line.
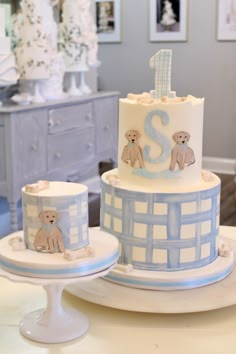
x: 161, y: 206
x: 78, y: 39
x: 37, y: 40
x: 56, y: 241
x: 8, y: 72
x: 157, y: 120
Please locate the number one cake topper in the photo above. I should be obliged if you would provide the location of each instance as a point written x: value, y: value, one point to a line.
x: 161, y: 62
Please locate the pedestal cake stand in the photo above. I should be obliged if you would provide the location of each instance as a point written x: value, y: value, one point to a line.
x: 53, y: 324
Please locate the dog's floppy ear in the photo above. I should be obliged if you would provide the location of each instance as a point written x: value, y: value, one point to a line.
x: 188, y: 135
x: 127, y: 134
x: 58, y: 215
x: 41, y: 215
x: 175, y: 137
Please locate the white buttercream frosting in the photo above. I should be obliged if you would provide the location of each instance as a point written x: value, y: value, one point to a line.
x: 59, y: 189
x: 8, y: 72
x: 36, y: 37
x: 78, y: 38
x: 111, y: 177
x: 156, y: 122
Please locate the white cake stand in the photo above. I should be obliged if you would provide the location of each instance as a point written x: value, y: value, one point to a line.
x: 54, y: 324
x: 37, y: 96
x: 211, y: 297
x: 83, y: 87
x: 73, y: 90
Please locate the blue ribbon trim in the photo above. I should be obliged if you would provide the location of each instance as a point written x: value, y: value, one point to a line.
x: 80, y: 268
x: 187, y: 283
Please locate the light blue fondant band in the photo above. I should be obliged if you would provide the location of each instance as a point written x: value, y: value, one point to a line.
x: 81, y: 269
x: 181, y: 284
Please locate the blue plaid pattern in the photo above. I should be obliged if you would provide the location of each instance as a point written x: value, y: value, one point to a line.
x: 161, y: 62
x: 174, y: 220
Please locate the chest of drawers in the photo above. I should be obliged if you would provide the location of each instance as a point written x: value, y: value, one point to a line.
x: 59, y: 140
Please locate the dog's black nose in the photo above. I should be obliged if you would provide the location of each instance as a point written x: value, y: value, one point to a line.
x: 51, y: 221
x: 183, y: 141
x: 133, y: 140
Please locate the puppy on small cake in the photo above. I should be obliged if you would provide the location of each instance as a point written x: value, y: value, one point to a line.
x: 49, y: 237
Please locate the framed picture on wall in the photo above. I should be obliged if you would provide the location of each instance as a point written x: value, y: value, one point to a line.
x: 108, y: 21
x: 226, y: 24
x: 168, y: 20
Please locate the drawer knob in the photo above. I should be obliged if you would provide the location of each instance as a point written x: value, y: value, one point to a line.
x: 89, y: 116
x: 57, y: 155
x: 50, y: 122
x: 89, y: 146
x: 34, y: 147
x: 58, y: 123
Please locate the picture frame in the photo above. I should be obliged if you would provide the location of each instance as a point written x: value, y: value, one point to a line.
x: 168, y: 20
x: 108, y: 21
x: 226, y: 21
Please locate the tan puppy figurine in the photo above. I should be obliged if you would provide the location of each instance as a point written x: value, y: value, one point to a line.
x: 181, y: 152
x: 132, y: 152
x: 49, y: 236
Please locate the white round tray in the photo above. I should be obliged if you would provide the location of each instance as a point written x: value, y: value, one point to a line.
x: 218, y: 295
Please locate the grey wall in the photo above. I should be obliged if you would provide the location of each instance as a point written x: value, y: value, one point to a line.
x: 202, y: 66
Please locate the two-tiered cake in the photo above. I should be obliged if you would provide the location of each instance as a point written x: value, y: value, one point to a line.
x: 161, y: 206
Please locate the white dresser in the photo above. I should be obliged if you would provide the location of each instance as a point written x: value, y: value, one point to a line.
x: 58, y: 140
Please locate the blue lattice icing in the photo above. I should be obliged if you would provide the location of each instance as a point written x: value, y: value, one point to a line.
x: 163, y: 231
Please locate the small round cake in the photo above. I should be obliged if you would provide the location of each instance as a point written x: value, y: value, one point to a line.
x: 59, y: 208
x: 56, y: 241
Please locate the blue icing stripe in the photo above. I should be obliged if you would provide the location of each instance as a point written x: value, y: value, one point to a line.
x: 87, y: 268
x: 152, y: 175
x: 182, y: 283
x: 157, y: 137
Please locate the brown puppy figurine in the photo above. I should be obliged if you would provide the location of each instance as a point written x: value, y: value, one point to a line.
x: 49, y: 236
x: 132, y: 152
x: 181, y: 152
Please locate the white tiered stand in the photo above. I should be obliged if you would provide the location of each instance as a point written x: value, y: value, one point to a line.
x: 215, y: 296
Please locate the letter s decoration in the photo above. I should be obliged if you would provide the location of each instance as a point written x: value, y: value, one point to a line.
x: 159, y: 139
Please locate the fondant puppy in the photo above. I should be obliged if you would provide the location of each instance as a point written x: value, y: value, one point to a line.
x: 181, y: 152
x: 49, y: 236
x: 132, y: 152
